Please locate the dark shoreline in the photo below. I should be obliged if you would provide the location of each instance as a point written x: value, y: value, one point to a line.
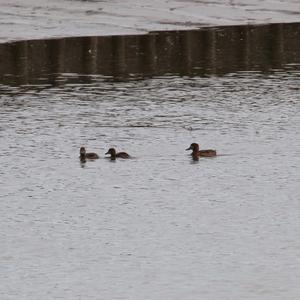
x: 208, y: 51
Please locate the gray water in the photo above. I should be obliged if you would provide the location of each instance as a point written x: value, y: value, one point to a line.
x: 159, y: 225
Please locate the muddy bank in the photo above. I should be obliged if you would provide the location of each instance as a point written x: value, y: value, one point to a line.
x: 206, y: 52
x: 39, y: 19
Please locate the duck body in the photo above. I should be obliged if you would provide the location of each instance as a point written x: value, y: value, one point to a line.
x: 114, y: 154
x: 87, y: 155
x: 201, y: 153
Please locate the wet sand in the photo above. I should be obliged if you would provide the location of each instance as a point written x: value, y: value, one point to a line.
x: 23, y: 20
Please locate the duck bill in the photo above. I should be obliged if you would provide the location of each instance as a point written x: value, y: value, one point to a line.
x: 106, y: 153
x: 188, y: 149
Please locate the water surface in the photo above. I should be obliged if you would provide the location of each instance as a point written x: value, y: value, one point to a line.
x: 157, y: 226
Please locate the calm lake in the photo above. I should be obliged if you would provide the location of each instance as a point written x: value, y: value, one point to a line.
x: 159, y: 225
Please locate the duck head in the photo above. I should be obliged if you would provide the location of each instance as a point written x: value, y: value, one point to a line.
x: 111, y: 151
x: 82, y: 151
x: 194, y: 147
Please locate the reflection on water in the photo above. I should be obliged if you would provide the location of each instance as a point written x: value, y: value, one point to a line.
x: 194, y: 53
x: 160, y: 225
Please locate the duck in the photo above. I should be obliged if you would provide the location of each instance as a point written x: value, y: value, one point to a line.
x: 114, y: 154
x: 84, y: 155
x: 201, y: 153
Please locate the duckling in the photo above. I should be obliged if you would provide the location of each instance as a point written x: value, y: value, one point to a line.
x: 114, y: 154
x: 201, y: 153
x: 84, y: 155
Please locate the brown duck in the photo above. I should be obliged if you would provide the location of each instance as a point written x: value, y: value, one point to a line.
x: 87, y: 155
x: 114, y: 154
x: 201, y: 153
